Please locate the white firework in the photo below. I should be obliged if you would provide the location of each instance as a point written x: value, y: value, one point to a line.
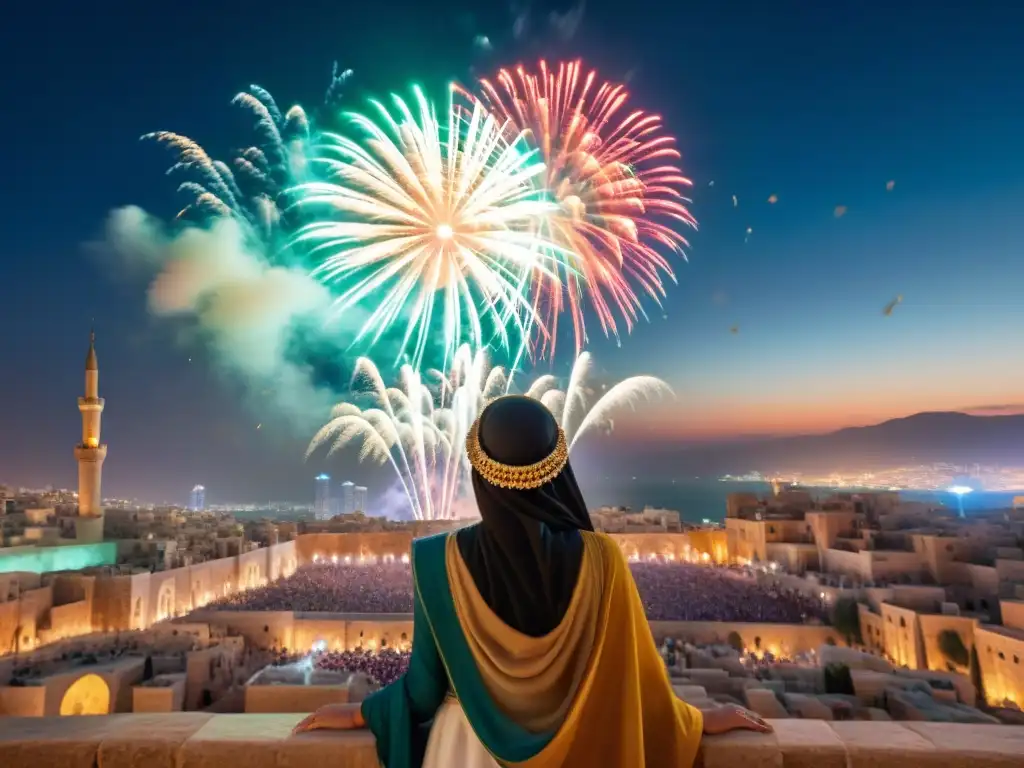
x: 426, y: 214
x: 420, y: 429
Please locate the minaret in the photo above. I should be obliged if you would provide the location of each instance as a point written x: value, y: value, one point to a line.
x: 90, y: 454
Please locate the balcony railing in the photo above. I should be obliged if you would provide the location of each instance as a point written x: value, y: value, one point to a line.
x: 201, y: 740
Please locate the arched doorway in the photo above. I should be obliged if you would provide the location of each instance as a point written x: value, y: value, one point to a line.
x: 88, y: 695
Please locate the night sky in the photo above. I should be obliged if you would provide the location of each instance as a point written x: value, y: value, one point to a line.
x: 820, y: 106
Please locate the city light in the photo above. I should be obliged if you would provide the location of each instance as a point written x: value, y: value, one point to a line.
x: 959, y: 491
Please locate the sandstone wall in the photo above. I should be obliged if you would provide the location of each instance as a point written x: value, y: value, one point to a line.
x: 780, y: 639
x: 68, y: 620
x: 169, y: 698
x: 200, y: 740
x: 355, y: 545
x: 112, y: 604
x: 10, y: 626
x: 349, y: 631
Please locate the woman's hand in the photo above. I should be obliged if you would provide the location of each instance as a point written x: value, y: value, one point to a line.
x: 332, y: 717
x: 733, y: 718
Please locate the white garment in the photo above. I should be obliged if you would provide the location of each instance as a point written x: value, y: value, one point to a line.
x: 452, y: 743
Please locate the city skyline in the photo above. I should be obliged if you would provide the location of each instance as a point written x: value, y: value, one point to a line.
x: 813, y: 350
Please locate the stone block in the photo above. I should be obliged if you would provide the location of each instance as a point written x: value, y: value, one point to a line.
x: 150, y: 741
x: 199, y: 740
x: 765, y: 703
x: 977, y: 746
x: 741, y: 748
x: 323, y: 748
x: 251, y: 740
x: 809, y: 744
x: 872, y: 745
x: 68, y: 742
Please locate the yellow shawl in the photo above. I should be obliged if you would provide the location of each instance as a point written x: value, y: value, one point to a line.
x: 597, y: 679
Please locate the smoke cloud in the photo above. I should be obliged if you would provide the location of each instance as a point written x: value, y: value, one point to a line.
x: 256, y: 317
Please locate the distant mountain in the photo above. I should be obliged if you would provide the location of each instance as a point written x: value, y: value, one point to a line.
x: 923, y: 438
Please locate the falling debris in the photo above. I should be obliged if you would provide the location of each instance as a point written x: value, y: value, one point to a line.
x: 735, y: 202
x: 890, y: 185
x: 711, y: 183
x: 839, y: 212
x: 734, y: 330
x: 892, y: 305
x: 258, y: 426
x: 773, y: 199
x: 482, y: 42
x: 750, y: 231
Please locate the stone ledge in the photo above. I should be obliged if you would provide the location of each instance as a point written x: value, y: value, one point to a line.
x: 199, y: 740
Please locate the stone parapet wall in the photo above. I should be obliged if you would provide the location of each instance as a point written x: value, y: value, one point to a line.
x: 200, y: 740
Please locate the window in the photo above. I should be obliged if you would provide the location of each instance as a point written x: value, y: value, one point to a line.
x: 1002, y: 656
x: 1016, y: 659
x: 903, y: 623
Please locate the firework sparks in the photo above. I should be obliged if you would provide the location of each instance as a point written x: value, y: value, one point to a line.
x: 614, y: 175
x: 420, y: 426
x: 416, y: 427
x: 580, y: 410
x: 429, y: 215
x: 248, y: 188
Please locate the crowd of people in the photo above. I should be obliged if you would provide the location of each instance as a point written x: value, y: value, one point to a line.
x: 685, y: 592
x: 671, y: 591
x: 332, y: 588
x: 382, y: 667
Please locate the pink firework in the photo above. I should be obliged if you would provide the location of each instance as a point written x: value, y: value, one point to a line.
x: 615, y: 174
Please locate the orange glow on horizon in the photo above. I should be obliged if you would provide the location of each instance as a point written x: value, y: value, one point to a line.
x: 728, y: 418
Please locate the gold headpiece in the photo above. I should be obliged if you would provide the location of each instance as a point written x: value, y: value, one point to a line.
x: 509, y: 476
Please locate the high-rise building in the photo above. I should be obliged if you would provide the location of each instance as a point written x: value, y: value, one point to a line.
x: 348, y: 498
x: 90, y: 454
x: 359, y: 499
x: 322, y: 505
x: 198, y: 501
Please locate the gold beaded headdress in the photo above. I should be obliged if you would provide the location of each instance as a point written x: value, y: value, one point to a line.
x: 509, y: 476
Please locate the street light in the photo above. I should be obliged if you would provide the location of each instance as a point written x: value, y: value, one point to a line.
x: 959, y: 491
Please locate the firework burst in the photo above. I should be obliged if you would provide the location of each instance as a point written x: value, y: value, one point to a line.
x: 427, y: 215
x: 419, y: 427
x: 249, y: 187
x: 615, y: 176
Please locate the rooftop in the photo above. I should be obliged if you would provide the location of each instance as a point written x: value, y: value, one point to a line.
x: 201, y: 740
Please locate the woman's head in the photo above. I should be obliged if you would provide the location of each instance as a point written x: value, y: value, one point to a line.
x: 521, y: 467
x: 526, y: 552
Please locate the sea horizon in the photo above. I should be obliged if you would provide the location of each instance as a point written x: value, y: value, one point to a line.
x: 701, y: 499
